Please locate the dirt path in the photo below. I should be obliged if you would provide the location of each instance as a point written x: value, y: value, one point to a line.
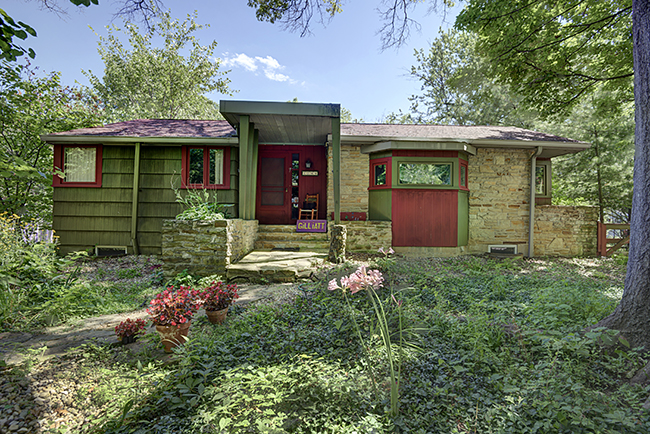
x: 53, y: 341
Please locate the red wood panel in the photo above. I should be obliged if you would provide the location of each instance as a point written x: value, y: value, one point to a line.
x: 425, y: 218
x: 430, y: 154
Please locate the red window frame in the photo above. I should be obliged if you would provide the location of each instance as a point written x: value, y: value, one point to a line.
x: 59, y: 152
x: 462, y: 163
x: 389, y: 173
x: 185, y: 165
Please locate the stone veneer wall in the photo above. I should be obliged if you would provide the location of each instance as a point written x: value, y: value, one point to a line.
x: 367, y: 235
x: 565, y: 230
x: 498, y: 181
x: 355, y: 169
x: 204, y: 248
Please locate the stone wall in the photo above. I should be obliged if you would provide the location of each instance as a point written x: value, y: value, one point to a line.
x: 204, y: 248
x: 367, y: 235
x: 565, y: 230
x: 498, y: 181
x: 355, y: 169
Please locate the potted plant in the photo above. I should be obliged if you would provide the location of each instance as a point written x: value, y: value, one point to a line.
x: 171, y: 311
x: 217, y: 298
x: 128, y: 330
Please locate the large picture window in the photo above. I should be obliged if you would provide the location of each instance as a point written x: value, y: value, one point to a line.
x: 425, y: 174
x: 206, y: 167
x: 77, y: 166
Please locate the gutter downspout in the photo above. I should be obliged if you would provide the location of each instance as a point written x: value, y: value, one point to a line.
x: 134, y: 205
x: 531, y: 218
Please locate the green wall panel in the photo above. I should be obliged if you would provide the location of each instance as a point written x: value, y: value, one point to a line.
x: 85, y: 217
x: 463, y: 217
x: 379, y: 204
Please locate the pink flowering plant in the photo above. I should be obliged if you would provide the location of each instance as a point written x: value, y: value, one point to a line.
x: 219, y: 296
x: 130, y: 327
x: 174, y: 307
x: 370, y: 281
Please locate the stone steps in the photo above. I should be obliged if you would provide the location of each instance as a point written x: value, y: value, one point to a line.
x: 267, y: 266
x: 285, y: 237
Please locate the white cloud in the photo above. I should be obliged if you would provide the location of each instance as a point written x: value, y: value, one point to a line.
x: 240, y: 60
x: 270, y: 65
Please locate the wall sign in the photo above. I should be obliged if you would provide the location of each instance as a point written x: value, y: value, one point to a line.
x: 311, y: 226
x: 310, y: 173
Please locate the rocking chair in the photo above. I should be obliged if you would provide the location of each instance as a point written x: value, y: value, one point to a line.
x: 309, y: 208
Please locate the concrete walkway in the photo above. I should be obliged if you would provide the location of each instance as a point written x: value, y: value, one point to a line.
x: 15, y: 347
x: 275, y: 266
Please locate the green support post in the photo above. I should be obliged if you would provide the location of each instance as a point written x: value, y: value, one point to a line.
x: 336, y: 169
x: 254, y: 152
x: 244, y: 157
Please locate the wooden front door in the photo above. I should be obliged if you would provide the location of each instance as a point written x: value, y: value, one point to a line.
x: 283, y: 180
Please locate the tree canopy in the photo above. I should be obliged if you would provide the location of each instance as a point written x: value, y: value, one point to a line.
x: 553, y: 53
x: 31, y: 105
x: 171, y: 82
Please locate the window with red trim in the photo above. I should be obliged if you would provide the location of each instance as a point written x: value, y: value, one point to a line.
x: 463, y: 175
x: 206, y: 167
x: 77, y: 166
x: 380, y: 173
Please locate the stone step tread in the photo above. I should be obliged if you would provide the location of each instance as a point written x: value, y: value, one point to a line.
x: 298, y: 236
x: 277, y: 228
x: 285, y: 244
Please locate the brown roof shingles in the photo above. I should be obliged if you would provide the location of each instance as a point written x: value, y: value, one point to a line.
x: 222, y: 129
x: 452, y: 132
x: 158, y: 128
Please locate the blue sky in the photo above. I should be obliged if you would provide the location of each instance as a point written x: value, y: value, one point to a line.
x: 340, y: 63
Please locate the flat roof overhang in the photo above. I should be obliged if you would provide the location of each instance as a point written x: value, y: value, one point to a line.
x: 284, y: 123
x: 550, y: 149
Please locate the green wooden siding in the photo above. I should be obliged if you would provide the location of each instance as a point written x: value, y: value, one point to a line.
x: 463, y: 217
x: 380, y: 204
x: 86, y: 217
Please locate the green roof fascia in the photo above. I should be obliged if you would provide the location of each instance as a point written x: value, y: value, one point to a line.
x: 232, y: 109
x: 418, y: 145
x: 226, y: 141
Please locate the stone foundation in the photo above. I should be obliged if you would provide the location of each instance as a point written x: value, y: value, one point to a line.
x: 204, y: 248
x: 367, y: 235
x: 565, y: 230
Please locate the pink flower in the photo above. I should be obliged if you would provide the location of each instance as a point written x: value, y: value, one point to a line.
x: 333, y: 285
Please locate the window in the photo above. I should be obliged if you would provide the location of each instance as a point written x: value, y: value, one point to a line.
x: 206, y: 167
x: 77, y: 166
x: 540, y: 180
x: 380, y: 173
x: 463, y: 175
x: 425, y: 174
x: 543, y: 178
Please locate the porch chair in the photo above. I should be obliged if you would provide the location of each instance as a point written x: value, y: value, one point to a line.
x: 310, y: 208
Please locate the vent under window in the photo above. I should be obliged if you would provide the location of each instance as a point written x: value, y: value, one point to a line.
x: 103, y: 251
x: 503, y: 249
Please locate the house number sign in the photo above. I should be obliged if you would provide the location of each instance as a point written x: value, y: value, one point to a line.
x: 310, y: 173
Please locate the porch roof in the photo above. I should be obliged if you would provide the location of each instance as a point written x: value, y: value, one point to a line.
x: 284, y: 122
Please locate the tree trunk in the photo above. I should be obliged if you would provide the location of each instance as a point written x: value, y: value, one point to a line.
x: 632, y: 315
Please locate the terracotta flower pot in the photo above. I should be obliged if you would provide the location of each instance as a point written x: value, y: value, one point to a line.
x: 173, y: 336
x: 217, y: 316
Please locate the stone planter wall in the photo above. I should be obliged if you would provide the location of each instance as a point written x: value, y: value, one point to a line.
x: 204, y: 248
x: 367, y: 235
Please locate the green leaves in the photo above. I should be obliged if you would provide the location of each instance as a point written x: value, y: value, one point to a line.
x: 9, y: 29
x: 554, y: 53
x: 144, y: 81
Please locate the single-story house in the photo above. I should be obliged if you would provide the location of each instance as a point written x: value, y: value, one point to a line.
x: 436, y: 189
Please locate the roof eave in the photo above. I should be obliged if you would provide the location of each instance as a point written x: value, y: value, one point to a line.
x: 126, y: 140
